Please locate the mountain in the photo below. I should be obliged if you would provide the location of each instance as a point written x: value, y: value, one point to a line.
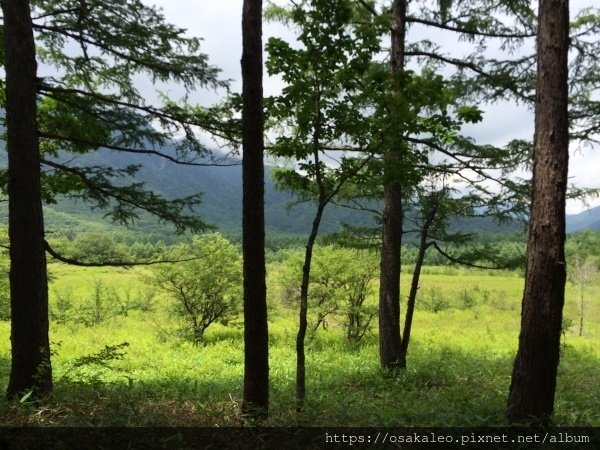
x: 222, y: 201
x: 221, y: 188
x: 586, y: 220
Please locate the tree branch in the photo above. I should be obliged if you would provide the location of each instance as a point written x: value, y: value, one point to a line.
x: 76, y: 262
x: 58, y: 137
x: 469, y: 31
x: 464, y: 263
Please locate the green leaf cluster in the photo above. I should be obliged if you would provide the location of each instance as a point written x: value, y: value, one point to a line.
x: 206, y: 286
x: 341, y: 288
x: 91, y: 100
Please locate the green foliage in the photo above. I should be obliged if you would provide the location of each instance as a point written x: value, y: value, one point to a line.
x: 323, y: 103
x: 339, y: 96
x: 467, y: 298
x: 340, y: 288
x: 434, y: 301
x: 100, y: 306
x: 97, y: 247
x: 458, y: 375
x: 97, y: 50
x: 92, y: 369
x: 582, y: 245
x: 206, y: 287
x: 582, y: 274
x: 101, y: 303
x: 63, y: 310
x: 583, y: 75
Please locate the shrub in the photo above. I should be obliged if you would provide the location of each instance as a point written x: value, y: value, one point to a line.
x: 206, y: 287
x: 436, y: 302
x: 340, y: 285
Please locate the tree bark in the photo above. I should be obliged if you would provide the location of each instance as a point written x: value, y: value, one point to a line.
x: 303, y: 313
x: 389, y: 284
x: 533, y: 384
x: 30, y: 364
x: 256, y: 336
x: 414, y: 286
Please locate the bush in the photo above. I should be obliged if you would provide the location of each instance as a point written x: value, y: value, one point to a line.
x: 98, y: 247
x: 340, y: 285
x: 103, y: 303
x: 467, y: 298
x: 206, y: 287
x: 436, y: 302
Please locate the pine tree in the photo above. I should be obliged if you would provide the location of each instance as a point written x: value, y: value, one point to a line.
x: 90, y: 103
x: 534, y: 374
x: 30, y: 351
x: 256, y: 336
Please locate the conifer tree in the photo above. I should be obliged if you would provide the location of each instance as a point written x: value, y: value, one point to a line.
x: 90, y: 102
x: 256, y: 336
x: 533, y: 383
x: 30, y: 351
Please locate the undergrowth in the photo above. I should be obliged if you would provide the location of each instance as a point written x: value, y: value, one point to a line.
x: 131, y: 370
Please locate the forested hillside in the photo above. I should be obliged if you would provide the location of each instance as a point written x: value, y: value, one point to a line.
x: 221, y: 203
x: 586, y: 220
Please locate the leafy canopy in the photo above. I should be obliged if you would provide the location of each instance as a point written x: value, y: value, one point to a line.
x: 207, y: 287
x: 96, y: 52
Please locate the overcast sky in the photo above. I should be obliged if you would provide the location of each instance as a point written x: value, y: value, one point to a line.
x: 219, y: 24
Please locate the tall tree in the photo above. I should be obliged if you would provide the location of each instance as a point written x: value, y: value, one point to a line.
x: 339, y: 99
x: 390, y: 343
x: 30, y: 369
x: 399, y: 178
x: 534, y: 373
x: 322, y: 106
x: 90, y: 102
x: 256, y: 336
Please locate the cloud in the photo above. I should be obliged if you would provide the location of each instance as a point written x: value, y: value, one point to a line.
x: 219, y: 24
x: 502, y: 122
x: 583, y: 172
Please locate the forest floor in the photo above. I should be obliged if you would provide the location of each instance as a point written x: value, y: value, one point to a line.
x: 118, y: 361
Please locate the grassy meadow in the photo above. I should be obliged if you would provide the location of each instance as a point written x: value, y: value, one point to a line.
x: 463, y: 343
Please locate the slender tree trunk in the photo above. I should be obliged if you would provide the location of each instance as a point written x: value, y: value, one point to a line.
x: 30, y: 365
x: 414, y: 287
x: 300, y: 338
x: 581, y: 310
x: 389, y: 284
x: 256, y: 336
x: 533, y: 384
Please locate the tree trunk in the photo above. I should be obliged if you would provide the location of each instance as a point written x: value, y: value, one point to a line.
x: 256, y: 336
x: 533, y: 384
x: 414, y: 287
x: 389, y: 284
x: 30, y: 365
x: 301, y: 336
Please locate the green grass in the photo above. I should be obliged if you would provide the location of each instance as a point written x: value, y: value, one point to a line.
x: 458, y: 371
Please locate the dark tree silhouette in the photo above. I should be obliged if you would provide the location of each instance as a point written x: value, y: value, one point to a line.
x: 533, y: 384
x: 30, y: 369
x: 256, y: 337
x: 89, y: 103
x: 389, y: 285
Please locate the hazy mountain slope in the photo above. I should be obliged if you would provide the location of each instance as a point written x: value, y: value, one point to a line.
x: 222, y: 194
x: 222, y: 200
x: 586, y: 220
